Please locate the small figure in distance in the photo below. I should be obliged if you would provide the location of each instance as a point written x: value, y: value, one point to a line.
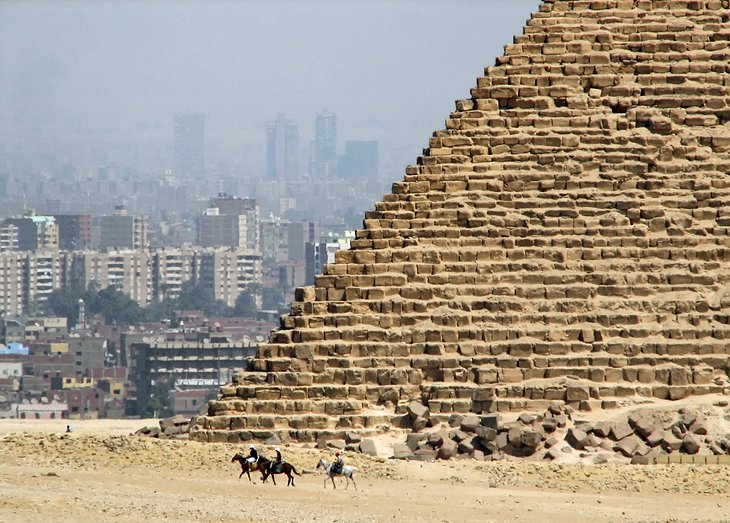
x: 68, y: 429
x: 276, y: 466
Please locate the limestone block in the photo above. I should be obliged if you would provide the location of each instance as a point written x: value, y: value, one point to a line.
x: 447, y: 450
x: 620, y: 430
x: 628, y: 446
x: 690, y: 444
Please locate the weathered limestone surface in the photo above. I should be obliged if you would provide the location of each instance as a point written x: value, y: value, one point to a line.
x: 565, y: 238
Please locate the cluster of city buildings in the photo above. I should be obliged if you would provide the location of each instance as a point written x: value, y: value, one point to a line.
x: 233, y: 244
x: 150, y: 235
x: 92, y: 370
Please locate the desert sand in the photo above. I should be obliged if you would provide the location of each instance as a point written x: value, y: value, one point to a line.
x: 100, y: 472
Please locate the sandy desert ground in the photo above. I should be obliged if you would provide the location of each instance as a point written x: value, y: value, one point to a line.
x: 101, y: 473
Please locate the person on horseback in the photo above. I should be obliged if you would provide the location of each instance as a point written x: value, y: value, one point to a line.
x: 276, y: 465
x: 253, y: 455
x: 339, y: 463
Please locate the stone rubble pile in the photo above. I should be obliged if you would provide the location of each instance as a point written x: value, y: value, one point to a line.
x: 639, y: 437
x: 175, y: 427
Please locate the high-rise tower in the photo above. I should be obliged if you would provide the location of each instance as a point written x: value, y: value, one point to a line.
x: 190, y: 145
x: 324, y: 150
x: 282, y: 149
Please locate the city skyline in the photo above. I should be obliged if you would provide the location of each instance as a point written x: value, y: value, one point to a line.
x: 75, y: 84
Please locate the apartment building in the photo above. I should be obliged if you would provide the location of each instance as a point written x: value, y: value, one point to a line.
x: 125, y: 270
x: 228, y: 272
x: 120, y: 230
x: 12, y: 288
x: 170, y: 269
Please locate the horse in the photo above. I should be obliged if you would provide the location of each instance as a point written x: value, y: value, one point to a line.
x: 280, y: 468
x: 247, y: 467
x: 346, y: 471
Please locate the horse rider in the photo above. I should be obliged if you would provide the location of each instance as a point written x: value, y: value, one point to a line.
x: 276, y: 466
x: 253, y: 455
x: 339, y: 463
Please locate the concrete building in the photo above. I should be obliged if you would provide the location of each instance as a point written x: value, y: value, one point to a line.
x: 282, y: 149
x: 74, y: 231
x: 35, y: 409
x: 228, y: 272
x: 171, y: 269
x: 221, y: 230
x: 299, y: 234
x: 121, y: 230
x: 35, y: 232
x: 12, y: 283
x: 127, y: 270
x: 321, y: 253
x: 89, y: 352
x: 189, y: 146
x: 44, y: 272
x: 8, y: 237
x: 186, y: 361
x: 247, y: 207
x: 275, y: 240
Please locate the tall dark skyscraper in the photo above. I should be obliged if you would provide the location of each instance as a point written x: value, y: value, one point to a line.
x: 282, y: 149
x: 190, y: 145
x: 324, y: 151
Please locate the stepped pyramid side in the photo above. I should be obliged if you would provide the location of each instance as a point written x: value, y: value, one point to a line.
x: 565, y: 238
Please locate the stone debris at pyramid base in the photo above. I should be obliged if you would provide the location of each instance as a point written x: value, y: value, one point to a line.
x: 565, y: 240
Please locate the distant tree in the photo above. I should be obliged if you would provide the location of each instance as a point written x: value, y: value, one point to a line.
x: 246, y: 302
x: 116, y: 307
x: 64, y: 302
x: 158, y: 404
x: 273, y: 297
x: 197, y: 297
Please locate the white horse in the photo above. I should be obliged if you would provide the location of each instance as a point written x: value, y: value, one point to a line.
x: 347, y: 471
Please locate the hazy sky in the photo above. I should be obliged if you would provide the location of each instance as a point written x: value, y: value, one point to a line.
x: 106, y: 71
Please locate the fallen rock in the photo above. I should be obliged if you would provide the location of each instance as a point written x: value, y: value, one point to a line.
x: 531, y: 439
x: 620, y: 430
x: 353, y: 437
x: 576, y: 438
x: 414, y: 439
x: 526, y: 419
x: 273, y: 441
x: 420, y: 423
x: 417, y: 409
x: 492, y: 421
x: 690, y: 444
x: 470, y: 423
x: 551, y: 441
x: 402, y: 451
x: 368, y: 446
x: 602, y: 429
x: 486, y: 434
x: 628, y: 445
x: 455, y: 420
x: 336, y: 444
x: 670, y: 442
x: 448, y: 450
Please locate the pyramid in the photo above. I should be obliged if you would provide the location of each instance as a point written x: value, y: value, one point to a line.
x: 566, y: 238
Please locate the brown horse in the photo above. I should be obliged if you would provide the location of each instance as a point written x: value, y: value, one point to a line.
x: 272, y: 469
x: 248, y: 467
